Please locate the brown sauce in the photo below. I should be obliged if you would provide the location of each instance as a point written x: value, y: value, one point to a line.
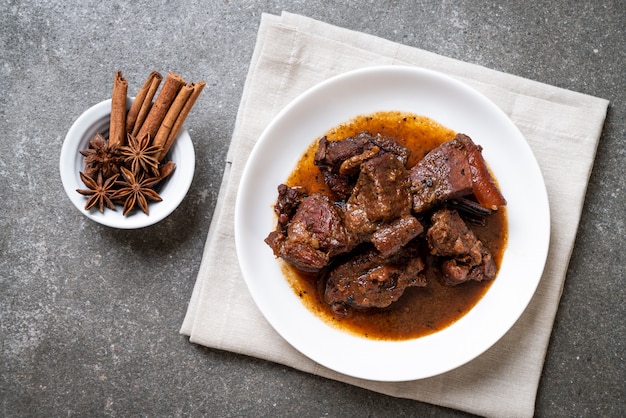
x: 421, y: 310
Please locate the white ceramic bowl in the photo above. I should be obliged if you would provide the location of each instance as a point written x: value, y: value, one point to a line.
x: 172, y: 191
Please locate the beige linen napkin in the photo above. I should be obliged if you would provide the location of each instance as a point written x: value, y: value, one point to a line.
x: 562, y: 127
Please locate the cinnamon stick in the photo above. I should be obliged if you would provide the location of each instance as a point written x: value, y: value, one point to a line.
x: 170, y: 118
x: 166, y: 169
x: 169, y: 91
x: 140, y: 107
x: 117, y: 125
x: 196, y: 89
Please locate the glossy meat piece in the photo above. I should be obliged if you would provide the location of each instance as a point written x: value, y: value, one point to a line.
x: 390, y: 238
x: 314, y: 235
x: 464, y: 256
x: 483, y: 185
x: 443, y: 174
x: 368, y: 280
x: 339, y: 161
x: 288, y: 200
x: 381, y: 195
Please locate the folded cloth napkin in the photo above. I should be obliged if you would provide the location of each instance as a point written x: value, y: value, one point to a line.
x: 562, y: 127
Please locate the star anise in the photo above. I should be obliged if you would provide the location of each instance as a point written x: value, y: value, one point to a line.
x: 136, y: 191
x: 100, y: 192
x: 100, y: 158
x: 140, y: 156
x: 166, y: 169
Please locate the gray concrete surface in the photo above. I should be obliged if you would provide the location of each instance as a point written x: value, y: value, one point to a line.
x: 89, y: 316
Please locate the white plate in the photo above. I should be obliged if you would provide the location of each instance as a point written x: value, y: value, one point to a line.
x: 456, y: 106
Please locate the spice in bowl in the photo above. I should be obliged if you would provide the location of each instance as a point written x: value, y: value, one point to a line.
x: 127, y: 168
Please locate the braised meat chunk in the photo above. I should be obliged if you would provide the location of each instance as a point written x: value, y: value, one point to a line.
x: 464, y: 257
x: 381, y: 194
x: 483, y: 185
x: 379, y: 208
x: 454, y: 169
x: 340, y: 161
x: 443, y: 174
x: 391, y: 237
x: 288, y: 200
x: 368, y: 280
x: 314, y: 234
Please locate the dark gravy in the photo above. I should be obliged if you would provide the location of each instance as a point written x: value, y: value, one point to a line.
x: 421, y: 310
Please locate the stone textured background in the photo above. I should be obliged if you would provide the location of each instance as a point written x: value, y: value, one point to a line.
x: 89, y: 316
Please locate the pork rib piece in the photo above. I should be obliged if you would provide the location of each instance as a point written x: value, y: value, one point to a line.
x: 443, y: 174
x: 379, y: 208
x: 339, y: 161
x: 367, y: 280
x: 454, y: 169
x: 464, y: 256
x: 483, y: 185
x: 314, y: 234
x: 288, y: 200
